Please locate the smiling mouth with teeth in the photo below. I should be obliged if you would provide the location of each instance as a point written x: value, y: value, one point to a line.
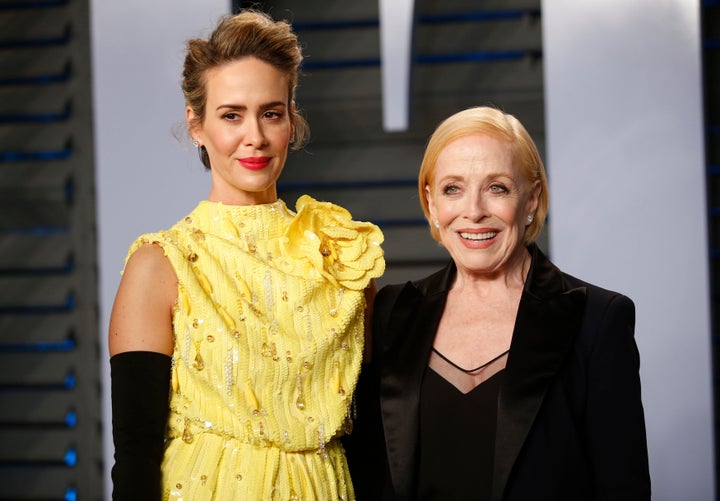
x: 478, y: 236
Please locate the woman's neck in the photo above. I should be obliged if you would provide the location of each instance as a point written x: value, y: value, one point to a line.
x: 510, y: 277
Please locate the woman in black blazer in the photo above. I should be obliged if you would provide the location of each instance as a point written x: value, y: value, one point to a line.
x: 498, y: 377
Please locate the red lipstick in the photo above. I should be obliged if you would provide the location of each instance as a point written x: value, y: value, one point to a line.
x: 254, y: 163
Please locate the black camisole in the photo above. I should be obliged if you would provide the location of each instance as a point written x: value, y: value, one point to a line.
x: 457, y: 439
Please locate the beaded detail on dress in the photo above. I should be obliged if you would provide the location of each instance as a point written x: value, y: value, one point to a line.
x: 268, y: 343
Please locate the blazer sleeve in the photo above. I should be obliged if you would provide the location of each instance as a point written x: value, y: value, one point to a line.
x: 615, y: 424
x: 365, y: 446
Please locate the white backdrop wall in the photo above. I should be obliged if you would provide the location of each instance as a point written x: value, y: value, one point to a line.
x: 627, y: 203
x: 146, y: 178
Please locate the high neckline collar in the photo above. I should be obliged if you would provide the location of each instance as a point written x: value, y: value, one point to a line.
x: 260, y: 220
x: 224, y: 208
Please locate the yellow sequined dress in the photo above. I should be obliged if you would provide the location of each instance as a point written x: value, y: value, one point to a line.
x: 268, y: 343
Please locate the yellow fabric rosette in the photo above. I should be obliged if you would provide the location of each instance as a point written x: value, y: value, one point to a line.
x: 343, y: 251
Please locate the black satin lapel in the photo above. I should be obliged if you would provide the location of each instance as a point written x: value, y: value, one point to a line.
x: 409, y: 337
x: 543, y: 336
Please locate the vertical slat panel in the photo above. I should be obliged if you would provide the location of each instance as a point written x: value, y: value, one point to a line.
x: 710, y: 14
x: 49, y: 415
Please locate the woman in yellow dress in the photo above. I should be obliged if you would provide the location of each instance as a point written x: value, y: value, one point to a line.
x: 236, y: 336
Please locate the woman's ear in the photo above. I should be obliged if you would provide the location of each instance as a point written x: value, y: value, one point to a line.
x: 193, y: 124
x: 534, y: 198
x: 293, y: 112
x: 430, y: 202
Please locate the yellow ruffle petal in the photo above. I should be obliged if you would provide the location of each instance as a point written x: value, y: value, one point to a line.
x: 184, y: 300
x: 244, y: 289
x: 252, y: 400
x: 203, y: 281
x: 226, y: 317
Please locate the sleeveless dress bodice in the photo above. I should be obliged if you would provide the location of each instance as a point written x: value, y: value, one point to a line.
x: 268, y: 343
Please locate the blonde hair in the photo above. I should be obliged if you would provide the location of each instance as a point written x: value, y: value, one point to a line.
x: 250, y: 33
x: 499, y: 125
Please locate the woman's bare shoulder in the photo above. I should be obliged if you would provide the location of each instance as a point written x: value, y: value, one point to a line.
x: 141, y: 318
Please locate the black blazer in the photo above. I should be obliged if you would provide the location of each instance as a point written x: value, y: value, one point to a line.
x: 570, y: 422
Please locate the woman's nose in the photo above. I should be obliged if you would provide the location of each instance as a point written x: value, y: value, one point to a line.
x: 253, y: 133
x: 476, y: 208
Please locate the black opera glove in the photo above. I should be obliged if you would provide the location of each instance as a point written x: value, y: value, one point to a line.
x: 140, y: 382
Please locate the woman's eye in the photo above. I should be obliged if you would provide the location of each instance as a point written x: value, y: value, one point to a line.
x: 450, y: 189
x: 231, y: 116
x: 273, y: 114
x: 498, y: 188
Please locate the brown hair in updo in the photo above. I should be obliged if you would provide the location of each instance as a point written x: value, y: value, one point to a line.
x: 250, y: 33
